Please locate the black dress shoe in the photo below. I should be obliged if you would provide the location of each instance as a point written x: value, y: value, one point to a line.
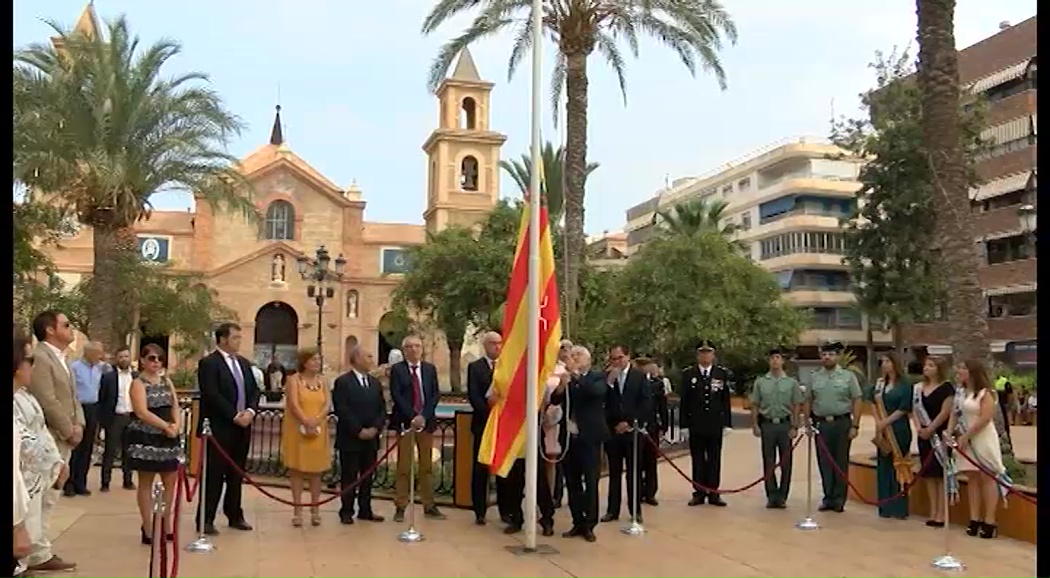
x: 610, y: 518
x: 104, y: 488
x: 83, y: 492
x: 433, y: 513
x: 696, y: 501
x: 771, y: 505
x: 348, y: 520
x: 839, y: 509
x: 210, y: 530
x: 241, y: 525
x: 371, y: 518
x: 825, y: 507
x: 934, y: 524
x: 129, y: 485
x: 717, y: 500
x: 572, y: 532
x: 780, y: 505
x: 651, y: 501
x: 399, y: 515
x: 480, y: 522
x: 69, y: 492
x: 512, y: 529
x: 505, y: 519
x: 589, y: 536
x: 547, y: 529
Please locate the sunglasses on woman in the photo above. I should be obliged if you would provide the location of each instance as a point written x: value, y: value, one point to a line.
x: 155, y: 358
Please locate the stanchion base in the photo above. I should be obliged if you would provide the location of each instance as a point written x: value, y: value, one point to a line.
x: 807, y: 523
x: 541, y: 549
x: 410, y: 536
x: 949, y: 563
x: 633, y: 529
x: 201, y: 544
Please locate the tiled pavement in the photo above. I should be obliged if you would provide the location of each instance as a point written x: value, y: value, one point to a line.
x: 101, y: 533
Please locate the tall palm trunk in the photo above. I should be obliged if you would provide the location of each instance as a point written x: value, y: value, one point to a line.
x: 575, y: 175
x: 111, y: 294
x: 939, y: 80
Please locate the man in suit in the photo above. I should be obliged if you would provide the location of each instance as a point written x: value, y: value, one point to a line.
x: 114, y: 415
x: 659, y: 417
x: 627, y: 405
x: 357, y: 398
x: 229, y: 400
x: 585, y: 430
x: 415, y: 391
x: 707, y: 415
x: 53, y: 387
x: 479, y: 384
x: 87, y: 377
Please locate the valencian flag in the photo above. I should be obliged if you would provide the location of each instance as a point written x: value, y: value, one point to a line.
x: 504, y: 439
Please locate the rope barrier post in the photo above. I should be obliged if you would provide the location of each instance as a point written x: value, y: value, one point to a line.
x: 635, y: 528
x: 156, y: 528
x: 411, y: 535
x: 947, y: 562
x: 202, y: 543
x: 809, y: 523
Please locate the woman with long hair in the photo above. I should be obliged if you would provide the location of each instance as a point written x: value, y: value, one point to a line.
x: 304, y: 432
x: 153, y: 436
x: 932, y: 403
x: 892, y: 399
x: 971, y: 425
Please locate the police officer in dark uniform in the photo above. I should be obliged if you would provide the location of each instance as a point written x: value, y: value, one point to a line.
x: 707, y: 415
x: 657, y: 421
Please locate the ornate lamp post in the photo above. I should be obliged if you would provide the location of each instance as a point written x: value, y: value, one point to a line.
x: 321, y: 281
x: 1027, y: 215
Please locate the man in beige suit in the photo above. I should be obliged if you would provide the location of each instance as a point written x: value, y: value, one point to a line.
x: 53, y: 387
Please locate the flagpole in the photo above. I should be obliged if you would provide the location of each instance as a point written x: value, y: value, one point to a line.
x: 532, y: 405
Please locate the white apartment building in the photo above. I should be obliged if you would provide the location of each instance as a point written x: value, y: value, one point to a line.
x: 787, y: 198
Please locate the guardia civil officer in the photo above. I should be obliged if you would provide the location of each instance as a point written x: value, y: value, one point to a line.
x: 776, y: 404
x: 833, y: 402
x: 707, y: 415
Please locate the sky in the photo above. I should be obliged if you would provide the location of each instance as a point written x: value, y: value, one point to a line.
x: 351, y: 79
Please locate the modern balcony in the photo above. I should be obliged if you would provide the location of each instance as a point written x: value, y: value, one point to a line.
x: 813, y: 296
x: 804, y: 261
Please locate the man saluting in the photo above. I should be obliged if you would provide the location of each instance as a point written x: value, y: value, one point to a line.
x: 707, y: 416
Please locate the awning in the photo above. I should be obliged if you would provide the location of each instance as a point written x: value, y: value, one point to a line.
x: 1011, y: 289
x: 1001, y: 186
x: 1000, y: 235
x: 1009, y: 131
x: 1003, y: 76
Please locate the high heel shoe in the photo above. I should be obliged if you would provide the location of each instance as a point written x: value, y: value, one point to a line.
x: 297, y: 518
x: 146, y: 539
x: 934, y: 524
x: 973, y: 528
x: 315, y: 517
x: 989, y: 531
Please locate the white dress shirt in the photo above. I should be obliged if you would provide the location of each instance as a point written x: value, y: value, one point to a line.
x: 61, y: 355
x: 124, y: 380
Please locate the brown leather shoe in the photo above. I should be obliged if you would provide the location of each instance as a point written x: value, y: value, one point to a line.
x: 55, y: 564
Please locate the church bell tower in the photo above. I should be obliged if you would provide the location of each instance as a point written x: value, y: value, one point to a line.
x: 463, y: 153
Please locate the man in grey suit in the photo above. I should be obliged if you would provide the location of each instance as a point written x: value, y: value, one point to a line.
x: 54, y: 389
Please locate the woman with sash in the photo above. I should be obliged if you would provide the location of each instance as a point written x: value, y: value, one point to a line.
x: 971, y: 425
x: 932, y: 406
x: 892, y: 400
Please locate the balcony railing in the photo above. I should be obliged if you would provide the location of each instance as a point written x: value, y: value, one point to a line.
x: 801, y: 212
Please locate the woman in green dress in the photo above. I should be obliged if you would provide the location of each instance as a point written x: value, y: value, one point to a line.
x: 892, y: 399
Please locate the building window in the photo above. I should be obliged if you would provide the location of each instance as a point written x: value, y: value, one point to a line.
x: 791, y: 243
x: 817, y: 280
x: 835, y: 318
x: 1008, y: 249
x: 280, y: 222
x: 1012, y: 305
x: 641, y: 234
x: 727, y: 190
x: 1010, y: 88
x: 468, y: 174
x: 745, y: 222
x: 468, y: 114
x: 1011, y: 199
x: 743, y: 185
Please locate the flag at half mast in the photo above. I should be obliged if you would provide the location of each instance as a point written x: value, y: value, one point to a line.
x: 504, y: 439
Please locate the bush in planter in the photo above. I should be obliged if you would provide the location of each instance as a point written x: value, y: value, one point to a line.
x: 184, y: 379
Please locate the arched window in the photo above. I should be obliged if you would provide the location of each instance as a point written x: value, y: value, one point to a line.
x: 468, y: 114
x: 468, y: 174
x: 280, y: 221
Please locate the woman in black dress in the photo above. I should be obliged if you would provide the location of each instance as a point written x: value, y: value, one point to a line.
x: 937, y: 395
x: 153, y: 436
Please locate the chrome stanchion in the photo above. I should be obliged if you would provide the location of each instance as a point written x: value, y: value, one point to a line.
x: 202, y: 543
x: 411, y: 535
x: 156, y: 528
x: 809, y: 523
x: 635, y: 528
x: 947, y: 562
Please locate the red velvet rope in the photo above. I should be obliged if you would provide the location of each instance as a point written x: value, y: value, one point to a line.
x: 1008, y: 487
x: 845, y: 476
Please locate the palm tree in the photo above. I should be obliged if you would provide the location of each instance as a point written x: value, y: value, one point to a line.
x: 694, y: 29
x: 553, y: 173
x: 110, y: 133
x: 938, y: 76
x: 695, y: 217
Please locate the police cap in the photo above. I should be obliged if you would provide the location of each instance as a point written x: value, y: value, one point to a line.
x: 706, y: 345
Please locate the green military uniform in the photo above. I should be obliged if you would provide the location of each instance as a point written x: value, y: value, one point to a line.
x: 775, y: 398
x: 831, y: 395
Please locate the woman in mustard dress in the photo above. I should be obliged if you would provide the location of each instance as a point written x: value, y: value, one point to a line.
x: 304, y: 432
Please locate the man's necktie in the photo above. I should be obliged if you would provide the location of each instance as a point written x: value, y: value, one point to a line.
x: 623, y: 379
x: 238, y: 378
x: 417, y: 391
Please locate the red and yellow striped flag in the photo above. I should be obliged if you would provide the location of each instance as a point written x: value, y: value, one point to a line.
x: 504, y: 439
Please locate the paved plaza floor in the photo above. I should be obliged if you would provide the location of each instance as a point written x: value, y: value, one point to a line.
x: 101, y: 534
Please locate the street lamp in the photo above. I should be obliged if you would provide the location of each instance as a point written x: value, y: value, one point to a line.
x: 321, y: 281
x: 1027, y: 215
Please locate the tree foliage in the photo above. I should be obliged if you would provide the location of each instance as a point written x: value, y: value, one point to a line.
x: 888, y: 240
x: 696, y: 216
x: 553, y: 176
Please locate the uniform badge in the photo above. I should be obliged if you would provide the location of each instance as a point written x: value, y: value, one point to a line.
x: 694, y: 381
x: 716, y: 384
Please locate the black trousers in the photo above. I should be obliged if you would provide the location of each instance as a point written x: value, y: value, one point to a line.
x: 516, y: 495
x: 649, y: 483
x: 705, y: 450
x: 582, y: 465
x: 220, y: 475
x: 353, y: 461
x: 116, y: 444
x: 559, y: 483
x: 80, y: 458
x: 620, y: 453
x: 479, y: 481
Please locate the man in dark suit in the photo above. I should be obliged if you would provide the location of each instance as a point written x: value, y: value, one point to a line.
x: 659, y: 417
x: 627, y: 404
x: 707, y: 415
x: 357, y: 398
x: 415, y: 391
x: 584, y: 430
x: 114, y: 415
x: 479, y: 383
x: 229, y: 400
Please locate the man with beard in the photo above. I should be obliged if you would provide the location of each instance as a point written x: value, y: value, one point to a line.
x: 114, y: 415
x: 833, y: 403
x: 707, y: 415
